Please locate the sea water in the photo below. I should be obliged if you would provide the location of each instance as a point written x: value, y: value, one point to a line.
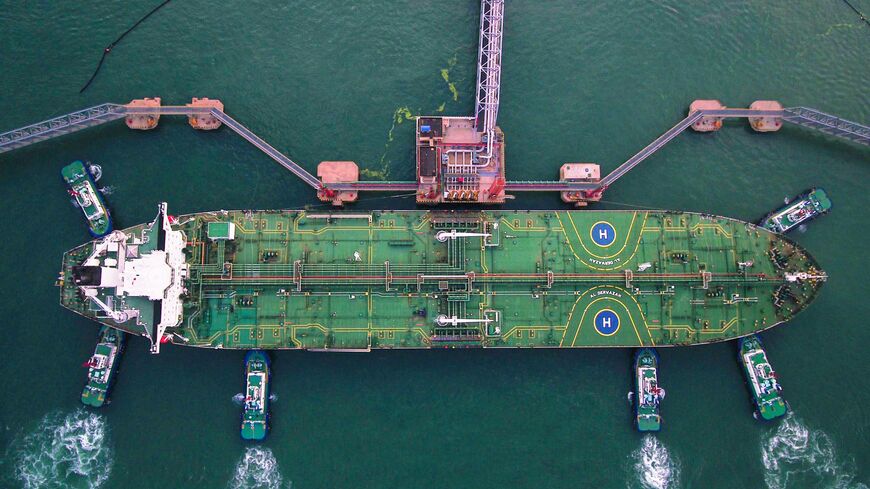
x: 329, y: 80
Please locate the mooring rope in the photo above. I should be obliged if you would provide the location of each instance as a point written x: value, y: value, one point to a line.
x: 108, y: 49
x: 624, y: 204
x: 368, y: 199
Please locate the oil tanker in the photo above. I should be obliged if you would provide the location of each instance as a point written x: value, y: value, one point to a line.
x: 294, y: 279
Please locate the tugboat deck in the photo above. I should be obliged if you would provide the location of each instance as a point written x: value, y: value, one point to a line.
x: 255, y: 417
x: 102, y: 366
x: 762, y: 379
x: 82, y: 188
x: 647, y: 393
x: 803, y: 208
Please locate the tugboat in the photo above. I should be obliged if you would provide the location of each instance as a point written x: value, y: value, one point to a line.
x: 762, y: 381
x: 255, y: 418
x: 102, y: 367
x: 647, y: 393
x: 803, y: 208
x: 82, y: 187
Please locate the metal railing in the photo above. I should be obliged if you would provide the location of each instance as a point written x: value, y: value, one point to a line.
x: 93, y: 116
x: 488, y: 65
x: 395, y: 186
x: 58, y: 126
x: 651, y: 148
x: 829, y: 124
x: 266, y: 148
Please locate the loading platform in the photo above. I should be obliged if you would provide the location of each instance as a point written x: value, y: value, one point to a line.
x: 459, y: 158
x: 103, y: 113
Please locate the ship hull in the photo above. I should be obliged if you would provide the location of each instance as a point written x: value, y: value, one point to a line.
x: 401, y: 279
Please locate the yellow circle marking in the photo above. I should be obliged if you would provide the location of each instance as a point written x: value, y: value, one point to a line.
x: 611, y: 227
x: 618, y: 322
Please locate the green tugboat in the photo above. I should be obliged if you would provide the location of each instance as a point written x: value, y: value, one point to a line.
x: 761, y: 378
x: 647, y: 393
x: 102, y: 367
x: 81, y: 186
x: 255, y: 418
x: 803, y: 208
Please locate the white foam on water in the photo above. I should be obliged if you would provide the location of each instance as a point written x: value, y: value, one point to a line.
x: 96, y: 171
x: 654, y: 467
x: 796, y: 456
x: 239, y: 399
x: 273, y: 397
x: 67, y: 450
x: 257, y: 469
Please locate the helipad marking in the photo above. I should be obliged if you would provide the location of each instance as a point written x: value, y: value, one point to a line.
x: 603, y: 234
x: 606, y: 322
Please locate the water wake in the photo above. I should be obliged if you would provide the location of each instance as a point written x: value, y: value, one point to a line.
x: 795, y: 456
x: 66, y: 451
x: 654, y: 468
x: 96, y: 171
x: 107, y: 190
x: 257, y: 469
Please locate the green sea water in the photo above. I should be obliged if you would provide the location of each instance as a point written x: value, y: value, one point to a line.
x: 330, y: 80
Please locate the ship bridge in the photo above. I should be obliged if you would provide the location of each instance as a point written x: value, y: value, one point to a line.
x: 138, y: 278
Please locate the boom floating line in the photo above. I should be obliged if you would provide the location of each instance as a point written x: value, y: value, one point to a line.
x: 860, y: 14
x: 108, y: 49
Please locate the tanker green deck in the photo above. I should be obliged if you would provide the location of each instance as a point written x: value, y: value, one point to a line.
x: 424, y: 279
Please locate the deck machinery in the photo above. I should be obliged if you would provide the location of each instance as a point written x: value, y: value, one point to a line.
x: 458, y: 163
x: 461, y: 159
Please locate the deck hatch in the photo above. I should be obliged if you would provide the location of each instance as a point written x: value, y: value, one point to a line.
x: 221, y: 231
